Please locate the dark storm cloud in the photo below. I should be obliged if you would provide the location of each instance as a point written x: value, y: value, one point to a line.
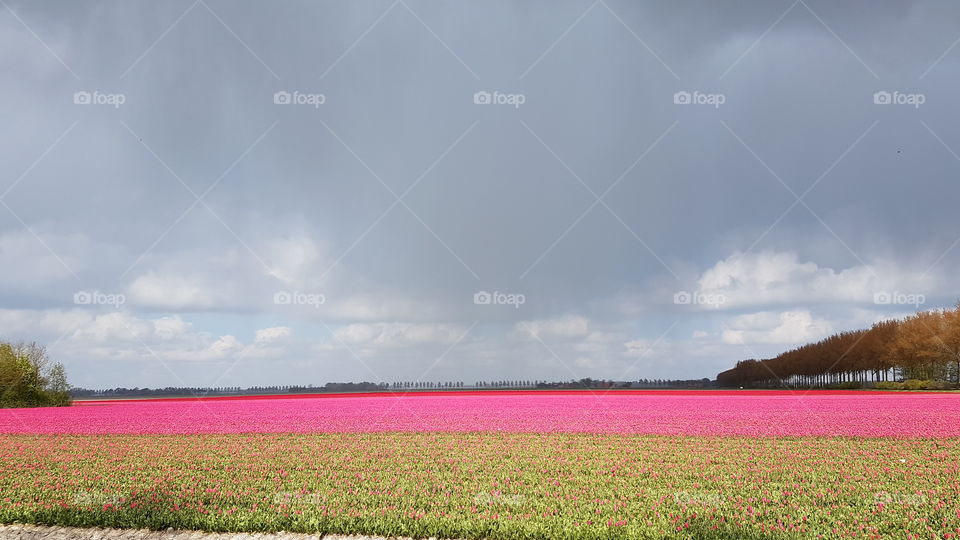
x: 398, y: 197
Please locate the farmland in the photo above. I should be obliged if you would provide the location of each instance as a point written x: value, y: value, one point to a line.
x: 705, y: 413
x: 486, y: 485
x: 643, y: 465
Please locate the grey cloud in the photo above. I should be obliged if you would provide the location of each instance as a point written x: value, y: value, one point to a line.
x: 501, y: 198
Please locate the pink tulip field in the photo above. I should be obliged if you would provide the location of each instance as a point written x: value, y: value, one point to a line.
x: 870, y: 414
x: 499, y: 465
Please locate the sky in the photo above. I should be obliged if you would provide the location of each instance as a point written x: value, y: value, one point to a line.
x: 213, y: 193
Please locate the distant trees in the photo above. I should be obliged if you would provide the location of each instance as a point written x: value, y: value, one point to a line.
x: 172, y: 391
x: 923, y: 346
x: 29, y: 379
x: 399, y: 386
x: 349, y: 387
x: 419, y: 385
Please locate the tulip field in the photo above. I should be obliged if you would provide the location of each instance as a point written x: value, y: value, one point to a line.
x: 498, y: 465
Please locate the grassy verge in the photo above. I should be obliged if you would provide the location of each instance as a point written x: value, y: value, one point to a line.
x: 487, y: 485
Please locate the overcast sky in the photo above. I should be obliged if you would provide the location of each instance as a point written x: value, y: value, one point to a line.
x: 218, y: 193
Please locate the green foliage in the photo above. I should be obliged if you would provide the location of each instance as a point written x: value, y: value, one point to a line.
x: 926, y: 384
x: 28, y: 379
x: 914, y: 384
x: 488, y: 486
x: 57, y: 386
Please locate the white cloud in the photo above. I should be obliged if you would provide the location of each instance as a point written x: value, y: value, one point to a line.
x: 178, y: 291
x: 585, y: 362
x: 196, y: 279
x: 391, y: 335
x: 120, y: 335
x: 598, y: 342
x: 170, y: 327
x: 42, y: 323
x: 114, y: 327
x: 772, y: 278
x: 266, y: 335
x: 225, y: 346
x: 569, y: 326
x: 379, y: 308
x: 645, y: 348
x: 293, y: 260
x: 787, y: 327
x: 236, y: 280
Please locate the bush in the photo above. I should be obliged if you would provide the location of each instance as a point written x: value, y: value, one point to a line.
x: 28, y: 379
x: 916, y: 384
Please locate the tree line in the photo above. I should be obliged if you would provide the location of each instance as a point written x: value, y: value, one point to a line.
x: 29, y: 379
x: 585, y: 383
x: 916, y: 352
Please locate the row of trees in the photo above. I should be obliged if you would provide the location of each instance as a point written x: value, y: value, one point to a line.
x: 187, y: 391
x: 29, y: 379
x: 423, y: 384
x: 923, y: 346
x: 394, y: 386
x: 673, y: 383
